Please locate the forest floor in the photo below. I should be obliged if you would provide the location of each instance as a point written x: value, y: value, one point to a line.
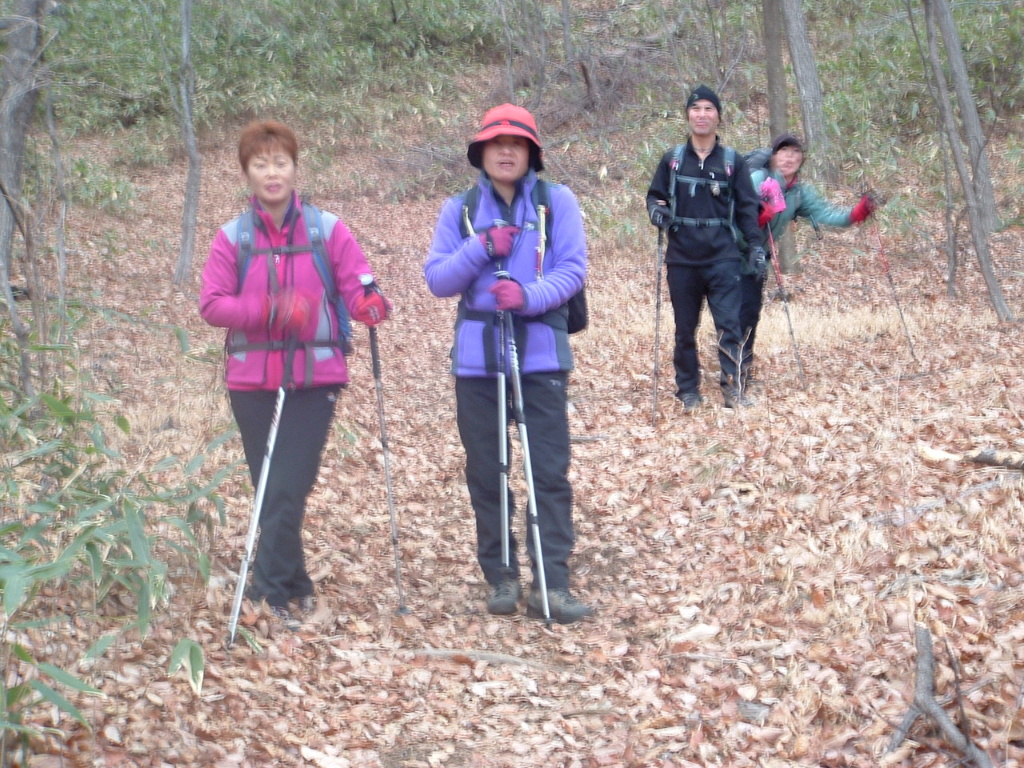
x: 756, y: 574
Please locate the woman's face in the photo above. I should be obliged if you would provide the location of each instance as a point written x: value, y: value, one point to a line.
x: 506, y: 159
x: 787, y: 161
x: 271, y: 177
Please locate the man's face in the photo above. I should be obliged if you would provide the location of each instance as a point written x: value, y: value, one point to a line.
x: 703, y: 118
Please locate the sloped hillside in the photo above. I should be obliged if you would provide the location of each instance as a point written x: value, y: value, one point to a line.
x: 756, y: 574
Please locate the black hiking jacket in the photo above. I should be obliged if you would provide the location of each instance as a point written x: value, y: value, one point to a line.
x: 701, y: 235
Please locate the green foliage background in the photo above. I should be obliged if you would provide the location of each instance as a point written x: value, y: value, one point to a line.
x: 361, y: 66
x: 325, y: 60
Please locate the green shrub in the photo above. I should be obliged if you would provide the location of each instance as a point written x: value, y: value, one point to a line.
x: 79, y: 527
x: 283, y: 57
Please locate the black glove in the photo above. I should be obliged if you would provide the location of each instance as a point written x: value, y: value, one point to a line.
x: 757, y: 261
x: 661, y: 216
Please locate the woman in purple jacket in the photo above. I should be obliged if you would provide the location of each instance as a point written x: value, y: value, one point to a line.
x: 508, y: 235
x: 263, y: 283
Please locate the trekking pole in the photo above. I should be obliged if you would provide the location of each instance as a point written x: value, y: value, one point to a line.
x: 254, y: 520
x: 379, y: 386
x: 657, y: 326
x: 524, y: 442
x: 785, y: 306
x: 892, y: 285
x: 503, y: 444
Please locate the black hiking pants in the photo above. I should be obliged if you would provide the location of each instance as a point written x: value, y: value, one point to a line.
x: 719, y: 283
x: 544, y: 406
x: 279, y: 569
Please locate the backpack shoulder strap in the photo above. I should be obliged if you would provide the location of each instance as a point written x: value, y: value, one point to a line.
x: 541, y: 198
x: 314, y: 219
x: 470, y: 202
x: 674, y: 163
x: 245, y: 232
x: 730, y: 175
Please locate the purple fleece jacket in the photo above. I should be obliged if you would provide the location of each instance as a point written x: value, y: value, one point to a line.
x: 458, y: 266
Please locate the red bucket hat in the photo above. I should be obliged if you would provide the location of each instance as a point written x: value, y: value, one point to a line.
x: 506, y: 120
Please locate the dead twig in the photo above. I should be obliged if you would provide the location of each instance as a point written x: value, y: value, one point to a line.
x: 911, y: 514
x: 462, y: 655
x: 926, y: 704
x: 987, y: 456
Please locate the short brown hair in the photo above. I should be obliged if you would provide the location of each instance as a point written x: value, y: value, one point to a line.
x: 264, y: 135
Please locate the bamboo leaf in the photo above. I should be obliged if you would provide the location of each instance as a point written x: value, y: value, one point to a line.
x: 50, y: 695
x: 59, y: 409
x: 189, y: 654
x: 67, y: 679
x: 137, y: 536
x: 182, y: 335
x: 193, y: 466
x: 15, y: 584
x: 100, y: 647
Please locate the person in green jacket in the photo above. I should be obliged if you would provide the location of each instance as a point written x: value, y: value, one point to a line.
x: 801, y: 200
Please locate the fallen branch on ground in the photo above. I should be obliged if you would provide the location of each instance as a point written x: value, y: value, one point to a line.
x: 987, y: 456
x: 462, y: 656
x: 911, y: 514
x: 924, y: 703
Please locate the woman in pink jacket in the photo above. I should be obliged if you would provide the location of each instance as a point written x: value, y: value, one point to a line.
x: 283, y: 278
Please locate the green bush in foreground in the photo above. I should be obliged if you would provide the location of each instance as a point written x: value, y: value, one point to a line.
x: 76, y: 532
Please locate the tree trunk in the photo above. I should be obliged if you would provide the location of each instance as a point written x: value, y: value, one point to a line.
x: 977, y: 228
x: 775, y: 67
x: 19, y: 93
x: 778, y: 118
x: 805, y: 71
x: 983, y: 191
x: 62, y: 214
x: 570, y: 54
x: 186, y: 82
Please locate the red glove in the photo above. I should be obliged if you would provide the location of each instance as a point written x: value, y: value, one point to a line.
x: 765, y: 215
x: 288, y: 311
x: 498, y: 241
x: 371, y: 308
x: 508, y: 294
x: 862, y: 210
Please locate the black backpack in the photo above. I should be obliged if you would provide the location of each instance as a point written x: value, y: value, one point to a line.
x: 579, y: 315
x: 758, y: 158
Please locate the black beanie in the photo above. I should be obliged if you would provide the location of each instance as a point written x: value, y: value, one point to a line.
x: 703, y: 92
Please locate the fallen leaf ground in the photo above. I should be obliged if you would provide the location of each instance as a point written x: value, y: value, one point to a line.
x: 756, y: 574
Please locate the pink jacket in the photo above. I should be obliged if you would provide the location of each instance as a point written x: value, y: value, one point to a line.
x: 242, y: 311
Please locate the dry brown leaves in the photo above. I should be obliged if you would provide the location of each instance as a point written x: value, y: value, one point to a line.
x: 756, y: 574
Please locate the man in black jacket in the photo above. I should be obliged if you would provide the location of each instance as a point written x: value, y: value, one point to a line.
x: 700, y: 196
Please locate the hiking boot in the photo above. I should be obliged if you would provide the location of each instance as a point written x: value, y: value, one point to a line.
x: 691, y: 400
x: 285, y: 616
x: 732, y: 398
x: 252, y: 593
x: 504, y: 597
x: 306, y: 603
x: 565, y: 609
